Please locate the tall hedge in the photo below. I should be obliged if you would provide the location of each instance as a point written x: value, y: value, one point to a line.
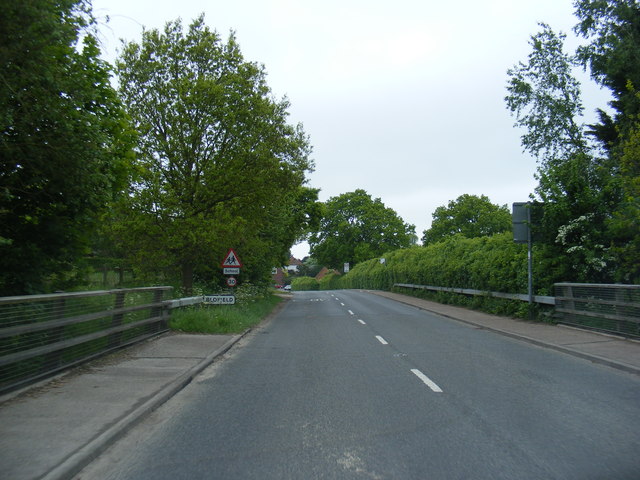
x: 331, y: 281
x: 304, y: 283
x: 493, y: 263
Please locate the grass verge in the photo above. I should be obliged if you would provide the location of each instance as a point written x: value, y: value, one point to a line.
x: 223, y: 319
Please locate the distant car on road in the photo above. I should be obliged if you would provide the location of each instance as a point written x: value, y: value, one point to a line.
x: 287, y: 287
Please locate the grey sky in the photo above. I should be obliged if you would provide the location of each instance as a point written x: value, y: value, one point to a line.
x: 403, y: 99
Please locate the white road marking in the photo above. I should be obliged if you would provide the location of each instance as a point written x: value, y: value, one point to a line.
x: 382, y: 340
x: 430, y: 383
x: 362, y: 322
x: 342, y: 304
x: 350, y: 312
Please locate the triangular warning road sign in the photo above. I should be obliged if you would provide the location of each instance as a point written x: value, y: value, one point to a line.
x: 231, y: 260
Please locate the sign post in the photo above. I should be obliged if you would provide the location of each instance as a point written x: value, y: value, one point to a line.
x: 231, y: 265
x: 521, y: 220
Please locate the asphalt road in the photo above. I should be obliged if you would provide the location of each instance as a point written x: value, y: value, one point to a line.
x: 345, y: 385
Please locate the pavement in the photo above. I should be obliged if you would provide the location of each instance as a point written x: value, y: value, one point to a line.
x: 52, y: 430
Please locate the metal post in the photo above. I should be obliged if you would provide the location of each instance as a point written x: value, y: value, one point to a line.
x: 158, y: 311
x: 529, y: 262
x: 56, y: 335
x: 521, y: 220
x: 115, y: 339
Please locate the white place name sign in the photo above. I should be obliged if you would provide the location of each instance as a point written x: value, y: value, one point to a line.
x: 220, y: 299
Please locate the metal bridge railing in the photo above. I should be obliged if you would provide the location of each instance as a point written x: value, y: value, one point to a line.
x: 608, y: 308
x: 611, y: 308
x: 469, y: 291
x: 43, y: 334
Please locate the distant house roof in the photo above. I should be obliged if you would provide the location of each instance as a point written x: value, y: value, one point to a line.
x: 294, y: 261
x: 326, y: 271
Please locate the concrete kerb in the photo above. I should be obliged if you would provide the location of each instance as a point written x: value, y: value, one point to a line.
x: 75, y: 462
x: 586, y: 356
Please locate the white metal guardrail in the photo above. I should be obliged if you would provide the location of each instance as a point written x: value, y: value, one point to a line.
x: 184, y: 302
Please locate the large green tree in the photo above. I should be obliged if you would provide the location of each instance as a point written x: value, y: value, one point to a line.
x: 62, y: 140
x: 624, y: 224
x: 219, y: 166
x: 590, y: 224
x: 612, y: 28
x: 546, y: 100
x: 468, y: 215
x: 355, y: 227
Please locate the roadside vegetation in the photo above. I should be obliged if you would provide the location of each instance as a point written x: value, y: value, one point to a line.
x: 252, y: 306
x: 304, y: 283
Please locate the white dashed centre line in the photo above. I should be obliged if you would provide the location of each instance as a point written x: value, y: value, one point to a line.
x: 362, y: 322
x: 342, y: 304
x: 350, y: 312
x: 430, y: 383
x: 382, y: 340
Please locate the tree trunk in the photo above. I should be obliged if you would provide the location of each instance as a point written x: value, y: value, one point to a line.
x: 187, y: 279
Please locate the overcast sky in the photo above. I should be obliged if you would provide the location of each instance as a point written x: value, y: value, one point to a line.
x: 403, y: 99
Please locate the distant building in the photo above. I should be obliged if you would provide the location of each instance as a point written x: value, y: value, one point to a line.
x: 326, y: 271
x: 279, y: 275
x: 294, y: 265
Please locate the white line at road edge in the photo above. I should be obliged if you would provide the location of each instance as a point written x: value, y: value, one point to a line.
x: 430, y: 383
x: 382, y: 340
x: 362, y: 322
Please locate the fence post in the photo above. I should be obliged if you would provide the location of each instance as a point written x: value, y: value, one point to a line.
x: 52, y: 360
x: 116, y: 338
x: 158, y: 311
x: 619, y: 296
x: 567, y: 292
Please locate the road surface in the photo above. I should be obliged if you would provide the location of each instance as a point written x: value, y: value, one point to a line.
x: 349, y: 385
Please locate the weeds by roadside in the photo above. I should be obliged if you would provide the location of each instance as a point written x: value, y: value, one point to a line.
x: 223, y: 319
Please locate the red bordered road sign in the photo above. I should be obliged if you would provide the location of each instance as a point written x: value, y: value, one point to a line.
x: 231, y: 260
x: 231, y: 281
